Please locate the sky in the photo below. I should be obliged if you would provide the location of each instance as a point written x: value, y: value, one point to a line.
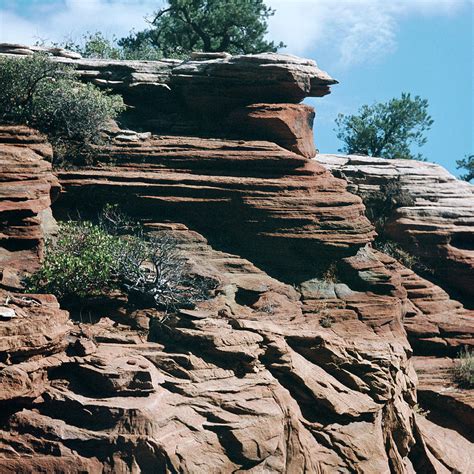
x: 376, y: 49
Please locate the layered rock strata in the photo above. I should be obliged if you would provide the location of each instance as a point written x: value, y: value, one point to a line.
x: 273, y: 206
x: 438, y: 228
x: 27, y: 188
x: 250, y: 380
x: 263, y: 376
x: 173, y: 96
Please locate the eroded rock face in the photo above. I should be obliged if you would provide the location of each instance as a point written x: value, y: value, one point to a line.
x: 172, y: 96
x: 32, y: 340
x: 288, y: 125
x: 263, y: 376
x: 438, y: 228
x: 249, y: 381
x: 273, y: 206
x: 27, y: 188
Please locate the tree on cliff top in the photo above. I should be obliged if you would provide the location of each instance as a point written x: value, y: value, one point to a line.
x: 184, y: 26
x: 48, y: 96
x: 386, y: 130
x: 468, y: 164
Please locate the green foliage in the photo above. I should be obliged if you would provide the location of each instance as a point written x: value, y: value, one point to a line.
x: 89, y: 260
x: 81, y: 262
x: 381, y: 204
x: 184, y: 26
x: 468, y: 164
x: 464, y: 371
x: 386, y: 130
x: 46, y: 95
x: 96, y: 45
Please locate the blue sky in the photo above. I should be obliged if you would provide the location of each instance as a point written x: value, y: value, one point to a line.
x: 375, y: 48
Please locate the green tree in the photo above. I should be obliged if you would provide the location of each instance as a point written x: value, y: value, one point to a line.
x: 184, y: 26
x: 97, y: 45
x: 468, y: 164
x: 46, y: 95
x: 386, y: 130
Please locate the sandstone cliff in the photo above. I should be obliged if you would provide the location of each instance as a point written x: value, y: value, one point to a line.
x: 438, y: 227
x: 316, y: 376
x: 27, y: 188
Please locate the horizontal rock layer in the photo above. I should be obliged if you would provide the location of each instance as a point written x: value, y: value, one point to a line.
x: 27, y: 187
x: 272, y: 205
x: 175, y: 96
x: 438, y: 228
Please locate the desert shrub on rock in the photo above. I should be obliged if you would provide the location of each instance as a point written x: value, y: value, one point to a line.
x: 464, y: 371
x: 89, y: 260
x: 389, y: 247
x: 47, y: 96
x: 381, y: 205
x: 99, y: 46
x: 81, y: 262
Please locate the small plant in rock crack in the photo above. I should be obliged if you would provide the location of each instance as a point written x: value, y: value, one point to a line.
x: 381, y: 205
x: 327, y: 321
x: 330, y: 274
x: 419, y: 410
x: 464, y: 371
x: 268, y: 308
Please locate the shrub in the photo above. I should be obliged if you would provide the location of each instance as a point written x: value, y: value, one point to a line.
x: 381, y: 205
x: 47, y: 95
x: 464, y: 371
x: 391, y: 248
x: 327, y: 321
x: 97, y: 45
x: 115, y: 222
x: 80, y: 263
x: 88, y: 260
x: 163, y: 277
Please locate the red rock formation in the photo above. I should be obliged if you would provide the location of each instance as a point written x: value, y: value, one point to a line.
x: 437, y: 228
x: 247, y: 381
x: 262, y: 376
x: 172, y: 96
x: 288, y: 125
x: 452, y: 405
x: 27, y: 189
x: 274, y: 206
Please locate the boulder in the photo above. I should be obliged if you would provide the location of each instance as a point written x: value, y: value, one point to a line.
x: 288, y: 125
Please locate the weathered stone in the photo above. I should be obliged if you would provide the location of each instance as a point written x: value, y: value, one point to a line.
x: 233, y: 385
x: 437, y: 228
x: 27, y: 188
x: 288, y: 125
x: 173, y: 96
x: 273, y: 206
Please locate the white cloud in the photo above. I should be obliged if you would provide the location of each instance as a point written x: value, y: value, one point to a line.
x: 55, y: 21
x: 356, y: 30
